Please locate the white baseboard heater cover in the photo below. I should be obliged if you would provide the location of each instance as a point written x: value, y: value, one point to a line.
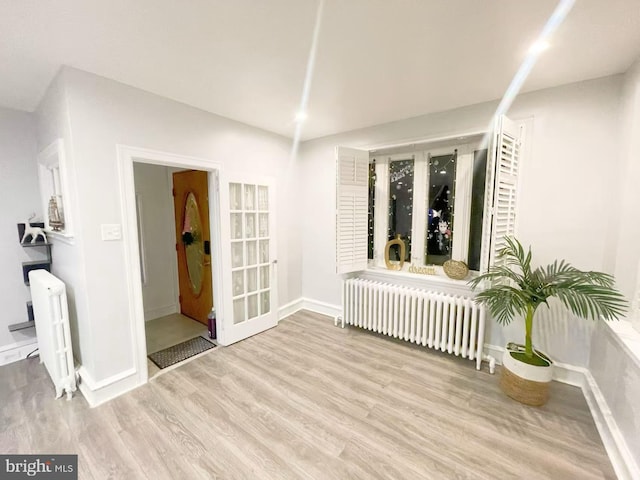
x: 449, y: 323
x: 51, y: 314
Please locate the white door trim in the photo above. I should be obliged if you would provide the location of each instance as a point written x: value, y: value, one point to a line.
x: 126, y: 156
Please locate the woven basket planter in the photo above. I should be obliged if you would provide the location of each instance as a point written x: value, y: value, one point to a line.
x: 528, y: 384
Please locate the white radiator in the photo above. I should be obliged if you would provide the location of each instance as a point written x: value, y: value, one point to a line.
x: 450, y: 323
x: 49, y: 298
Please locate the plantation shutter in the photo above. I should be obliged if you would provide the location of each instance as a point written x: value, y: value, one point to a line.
x: 504, y: 165
x: 352, y: 167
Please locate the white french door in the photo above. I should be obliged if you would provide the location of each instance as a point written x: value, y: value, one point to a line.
x: 250, y: 281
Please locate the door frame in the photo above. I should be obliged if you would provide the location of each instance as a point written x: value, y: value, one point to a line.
x: 127, y: 155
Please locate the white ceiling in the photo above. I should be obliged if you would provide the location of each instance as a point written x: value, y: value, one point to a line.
x: 377, y: 60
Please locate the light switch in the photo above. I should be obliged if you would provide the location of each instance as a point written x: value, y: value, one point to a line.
x: 112, y: 231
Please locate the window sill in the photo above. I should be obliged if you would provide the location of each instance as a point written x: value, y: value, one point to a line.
x: 437, y: 282
x: 62, y: 237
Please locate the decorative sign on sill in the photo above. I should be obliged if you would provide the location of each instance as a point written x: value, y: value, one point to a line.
x: 402, y: 253
x: 455, y: 269
x: 428, y: 270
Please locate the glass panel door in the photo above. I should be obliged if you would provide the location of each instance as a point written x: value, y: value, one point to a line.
x: 251, y: 258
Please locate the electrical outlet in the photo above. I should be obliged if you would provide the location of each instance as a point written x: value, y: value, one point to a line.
x: 111, y: 232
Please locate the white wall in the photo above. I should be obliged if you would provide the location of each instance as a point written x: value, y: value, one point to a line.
x: 158, y: 236
x: 104, y: 113
x: 563, y: 202
x: 52, y: 123
x: 627, y: 259
x: 617, y: 374
x: 614, y: 368
x: 20, y: 198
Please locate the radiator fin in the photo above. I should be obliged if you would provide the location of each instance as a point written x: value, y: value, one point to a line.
x: 450, y: 323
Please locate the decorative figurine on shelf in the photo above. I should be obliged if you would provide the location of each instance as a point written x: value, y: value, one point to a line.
x: 34, y: 232
x: 401, y: 255
x: 55, y: 218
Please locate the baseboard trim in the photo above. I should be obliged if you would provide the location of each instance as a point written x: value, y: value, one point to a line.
x: 12, y: 346
x: 159, y: 312
x: 309, y: 304
x: 570, y: 374
x: 494, y: 351
x: 97, y: 393
x: 611, y: 436
x: 290, y: 308
x: 321, y: 307
x: 621, y: 458
x: 15, y: 352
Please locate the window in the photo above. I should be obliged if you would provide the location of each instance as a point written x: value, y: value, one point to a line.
x: 429, y: 195
x: 441, y: 187
x: 449, y: 199
x: 400, y: 201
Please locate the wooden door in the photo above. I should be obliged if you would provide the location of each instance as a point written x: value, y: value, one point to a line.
x: 193, y: 243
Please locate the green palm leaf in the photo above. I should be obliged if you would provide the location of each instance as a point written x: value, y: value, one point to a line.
x: 589, y: 300
x: 512, y: 288
x: 498, y: 274
x: 504, y: 302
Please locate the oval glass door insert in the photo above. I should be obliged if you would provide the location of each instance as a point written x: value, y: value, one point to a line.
x: 193, y: 243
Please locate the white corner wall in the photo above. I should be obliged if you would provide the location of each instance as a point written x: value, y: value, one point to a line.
x: 154, y: 193
x: 52, y: 123
x: 614, y: 363
x: 615, y: 370
x: 103, y: 114
x: 563, y: 207
x: 627, y: 255
x: 20, y: 198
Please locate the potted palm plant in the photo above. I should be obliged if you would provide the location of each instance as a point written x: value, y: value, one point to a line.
x: 515, y: 289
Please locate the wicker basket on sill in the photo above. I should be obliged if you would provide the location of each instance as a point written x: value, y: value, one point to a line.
x: 456, y: 269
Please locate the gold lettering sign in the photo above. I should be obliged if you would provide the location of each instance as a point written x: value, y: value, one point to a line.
x: 422, y: 270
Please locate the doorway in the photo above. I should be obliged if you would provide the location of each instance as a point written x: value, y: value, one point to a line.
x: 128, y: 157
x: 243, y: 248
x: 175, y: 255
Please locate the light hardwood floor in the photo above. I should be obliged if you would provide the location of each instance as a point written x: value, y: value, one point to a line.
x: 307, y: 400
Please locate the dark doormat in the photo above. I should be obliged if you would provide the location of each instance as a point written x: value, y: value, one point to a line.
x: 172, y: 355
